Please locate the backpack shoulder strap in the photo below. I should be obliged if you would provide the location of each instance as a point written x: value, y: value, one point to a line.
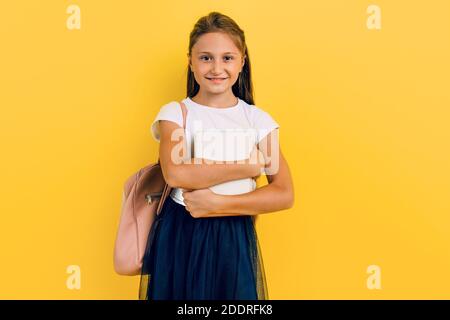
x: 184, y: 111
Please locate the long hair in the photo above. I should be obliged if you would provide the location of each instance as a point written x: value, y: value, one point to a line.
x: 217, y: 22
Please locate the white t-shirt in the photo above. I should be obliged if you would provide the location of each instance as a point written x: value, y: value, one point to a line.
x: 201, y: 118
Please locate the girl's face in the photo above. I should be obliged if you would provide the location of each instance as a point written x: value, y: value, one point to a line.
x: 216, y: 62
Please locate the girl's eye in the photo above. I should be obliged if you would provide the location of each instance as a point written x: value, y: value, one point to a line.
x: 230, y: 57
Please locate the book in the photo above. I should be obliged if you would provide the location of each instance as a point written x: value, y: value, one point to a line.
x: 226, y: 145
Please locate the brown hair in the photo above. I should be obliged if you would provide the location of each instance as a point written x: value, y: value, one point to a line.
x: 217, y: 22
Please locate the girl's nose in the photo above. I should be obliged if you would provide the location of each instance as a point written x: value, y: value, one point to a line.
x: 217, y: 67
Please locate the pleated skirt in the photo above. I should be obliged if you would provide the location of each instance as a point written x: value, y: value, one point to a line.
x: 216, y: 258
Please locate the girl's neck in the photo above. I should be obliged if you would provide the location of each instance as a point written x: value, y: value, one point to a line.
x: 216, y: 101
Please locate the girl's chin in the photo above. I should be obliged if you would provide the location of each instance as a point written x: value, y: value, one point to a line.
x: 216, y: 86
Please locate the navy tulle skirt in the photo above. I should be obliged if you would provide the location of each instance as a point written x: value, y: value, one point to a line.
x: 191, y: 258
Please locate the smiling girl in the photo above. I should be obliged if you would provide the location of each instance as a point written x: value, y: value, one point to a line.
x: 205, y: 244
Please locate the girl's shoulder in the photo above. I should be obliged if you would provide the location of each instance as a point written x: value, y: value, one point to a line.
x: 261, y: 120
x: 171, y: 106
x: 170, y: 111
x: 257, y: 114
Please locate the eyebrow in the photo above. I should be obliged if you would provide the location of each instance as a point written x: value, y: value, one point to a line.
x: 223, y: 53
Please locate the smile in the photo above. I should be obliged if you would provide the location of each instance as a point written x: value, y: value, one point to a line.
x: 216, y: 80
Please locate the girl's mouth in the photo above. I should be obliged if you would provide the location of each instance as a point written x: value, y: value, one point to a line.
x: 216, y: 80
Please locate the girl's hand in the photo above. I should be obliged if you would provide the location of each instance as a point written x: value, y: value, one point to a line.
x: 257, y: 161
x: 201, y: 202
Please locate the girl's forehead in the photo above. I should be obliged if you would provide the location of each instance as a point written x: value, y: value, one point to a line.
x: 215, y: 43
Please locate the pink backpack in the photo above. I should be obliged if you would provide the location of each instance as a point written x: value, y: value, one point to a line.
x: 143, y: 197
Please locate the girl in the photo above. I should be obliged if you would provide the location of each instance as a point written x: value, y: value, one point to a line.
x: 204, y: 245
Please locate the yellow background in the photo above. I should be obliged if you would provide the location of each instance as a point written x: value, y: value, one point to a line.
x: 364, y: 118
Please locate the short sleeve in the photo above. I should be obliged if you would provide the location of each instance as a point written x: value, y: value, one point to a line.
x: 264, y: 124
x: 172, y: 112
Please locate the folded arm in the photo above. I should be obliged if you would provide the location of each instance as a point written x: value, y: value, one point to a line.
x: 195, y: 173
x: 277, y: 195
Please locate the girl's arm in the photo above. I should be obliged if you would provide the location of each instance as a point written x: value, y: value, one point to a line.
x: 196, y: 175
x: 275, y: 196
